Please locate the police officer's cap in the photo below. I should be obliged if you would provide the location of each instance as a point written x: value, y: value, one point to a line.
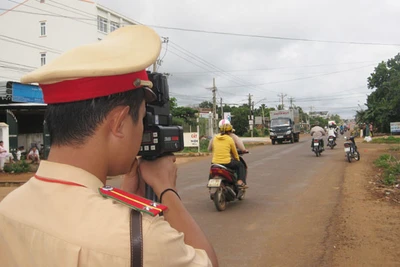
x: 114, y: 65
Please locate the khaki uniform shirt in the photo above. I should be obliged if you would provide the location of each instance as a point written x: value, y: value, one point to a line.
x: 317, y: 132
x: 52, y: 224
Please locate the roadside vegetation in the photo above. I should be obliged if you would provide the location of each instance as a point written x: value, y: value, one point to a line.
x: 390, y: 169
x: 386, y: 140
x: 18, y: 167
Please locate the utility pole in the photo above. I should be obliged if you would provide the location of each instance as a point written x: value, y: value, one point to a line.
x: 263, y: 122
x: 282, y: 96
x: 214, y: 91
x: 252, y: 119
x: 291, y: 102
x: 251, y: 123
x: 222, y: 109
x: 250, y: 100
x: 159, y: 61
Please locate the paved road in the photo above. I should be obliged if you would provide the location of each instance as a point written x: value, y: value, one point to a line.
x: 286, y: 216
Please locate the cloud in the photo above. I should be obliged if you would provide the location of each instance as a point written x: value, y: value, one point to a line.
x: 302, y: 70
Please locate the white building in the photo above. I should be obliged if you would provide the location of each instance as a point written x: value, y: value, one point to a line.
x: 33, y: 33
x: 36, y: 31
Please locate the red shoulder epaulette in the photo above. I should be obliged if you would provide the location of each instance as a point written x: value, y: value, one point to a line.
x: 133, y: 201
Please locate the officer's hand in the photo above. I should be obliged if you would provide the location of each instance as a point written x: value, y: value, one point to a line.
x: 159, y: 174
x: 132, y: 181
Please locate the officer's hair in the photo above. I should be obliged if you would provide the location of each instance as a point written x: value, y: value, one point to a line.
x: 72, y: 123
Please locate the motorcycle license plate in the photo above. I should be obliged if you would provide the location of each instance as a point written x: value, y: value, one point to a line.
x: 316, y: 144
x: 214, y: 183
x: 347, y: 149
x: 330, y: 139
x: 281, y: 136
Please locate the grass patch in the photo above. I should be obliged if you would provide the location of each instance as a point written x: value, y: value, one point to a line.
x: 394, y: 148
x: 391, y: 168
x: 203, y: 147
x: 18, y: 167
x: 386, y: 140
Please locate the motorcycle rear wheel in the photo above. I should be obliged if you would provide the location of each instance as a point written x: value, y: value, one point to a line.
x: 241, y: 197
x: 356, y: 155
x: 348, y: 157
x: 219, y: 200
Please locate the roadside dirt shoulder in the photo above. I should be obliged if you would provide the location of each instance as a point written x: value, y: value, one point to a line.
x: 366, y: 231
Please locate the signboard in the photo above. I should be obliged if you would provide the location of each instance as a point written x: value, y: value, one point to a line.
x: 205, y: 115
x: 191, y: 139
x: 26, y: 93
x: 258, y: 120
x: 395, y: 127
x: 227, y: 116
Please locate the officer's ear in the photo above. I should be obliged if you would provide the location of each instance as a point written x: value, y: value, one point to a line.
x: 116, y: 120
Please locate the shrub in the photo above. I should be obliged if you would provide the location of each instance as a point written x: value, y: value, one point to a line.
x: 18, y: 167
x: 391, y: 168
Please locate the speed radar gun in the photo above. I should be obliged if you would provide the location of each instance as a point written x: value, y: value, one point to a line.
x: 160, y: 137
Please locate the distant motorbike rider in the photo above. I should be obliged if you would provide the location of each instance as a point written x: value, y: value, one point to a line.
x: 317, y: 132
x: 332, y: 132
x: 225, y: 152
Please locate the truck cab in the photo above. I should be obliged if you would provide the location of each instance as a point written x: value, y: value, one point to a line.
x: 284, y: 126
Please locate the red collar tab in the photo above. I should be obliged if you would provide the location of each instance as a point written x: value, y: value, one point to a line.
x: 91, y: 87
x: 48, y: 180
x: 133, y: 201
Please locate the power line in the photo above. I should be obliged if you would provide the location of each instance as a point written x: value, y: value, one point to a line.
x: 25, y: 43
x: 206, y: 63
x: 309, y: 77
x: 77, y: 10
x: 274, y: 37
x: 77, y: 19
x: 217, y: 32
x: 13, y: 63
x: 278, y: 68
x: 47, y: 14
x: 216, y: 69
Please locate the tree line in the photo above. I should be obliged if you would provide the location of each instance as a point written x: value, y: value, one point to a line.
x: 240, y: 116
x: 383, y: 104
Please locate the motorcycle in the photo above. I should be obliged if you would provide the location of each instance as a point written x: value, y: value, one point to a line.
x: 341, y: 132
x: 317, y: 147
x: 350, y: 149
x: 222, y: 184
x: 331, y: 142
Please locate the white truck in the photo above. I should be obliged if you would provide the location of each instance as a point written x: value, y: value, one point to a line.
x: 284, y: 126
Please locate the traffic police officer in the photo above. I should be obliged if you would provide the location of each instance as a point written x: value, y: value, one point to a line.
x: 65, y: 215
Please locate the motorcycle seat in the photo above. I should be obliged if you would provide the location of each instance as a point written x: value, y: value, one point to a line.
x: 219, y: 166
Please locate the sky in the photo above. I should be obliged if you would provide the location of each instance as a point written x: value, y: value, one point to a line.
x: 327, y: 72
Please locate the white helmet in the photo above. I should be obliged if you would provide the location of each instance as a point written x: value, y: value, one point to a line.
x: 225, y: 125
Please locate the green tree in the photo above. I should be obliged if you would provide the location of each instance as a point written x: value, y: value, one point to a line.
x: 336, y: 118
x: 384, y: 102
x: 318, y: 120
x: 240, y: 119
x: 206, y: 104
x: 280, y: 107
x: 182, y: 115
x: 303, y: 116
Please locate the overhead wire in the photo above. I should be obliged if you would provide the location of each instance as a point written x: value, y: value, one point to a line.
x: 274, y: 37
x: 50, y: 12
x: 278, y: 68
x: 309, y: 77
x: 222, y: 71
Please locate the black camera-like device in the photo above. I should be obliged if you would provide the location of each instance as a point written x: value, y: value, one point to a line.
x: 160, y: 137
